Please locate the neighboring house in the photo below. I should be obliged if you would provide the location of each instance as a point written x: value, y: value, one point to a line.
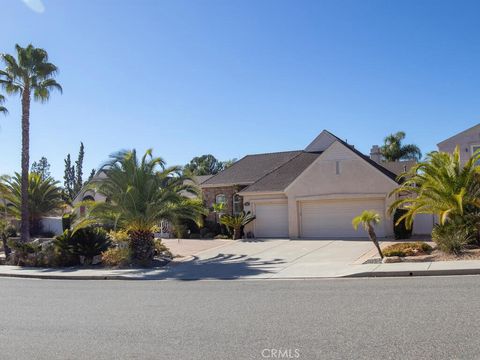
x: 310, y: 193
x: 468, y: 141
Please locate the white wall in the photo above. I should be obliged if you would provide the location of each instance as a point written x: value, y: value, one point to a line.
x: 52, y: 224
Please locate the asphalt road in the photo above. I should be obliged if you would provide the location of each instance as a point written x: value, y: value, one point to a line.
x: 401, y: 318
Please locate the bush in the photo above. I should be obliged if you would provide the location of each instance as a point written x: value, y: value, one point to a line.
x: 222, y: 237
x: 407, y: 249
x: 24, y: 254
x: 195, y: 236
x: 451, y: 238
x: 116, y: 257
x: 90, y: 242
x: 161, y: 249
x: 63, y: 249
x: 119, y: 238
x: 400, y: 230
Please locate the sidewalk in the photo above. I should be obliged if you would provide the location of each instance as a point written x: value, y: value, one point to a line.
x: 439, y: 268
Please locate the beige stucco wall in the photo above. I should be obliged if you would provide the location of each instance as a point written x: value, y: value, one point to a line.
x: 356, y: 179
x: 465, y: 140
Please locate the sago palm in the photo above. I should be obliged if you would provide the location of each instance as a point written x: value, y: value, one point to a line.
x: 235, y: 222
x: 29, y: 73
x: 394, y: 150
x: 45, y: 196
x: 368, y: 219
x: 140, y: 194
x: 440, y: 185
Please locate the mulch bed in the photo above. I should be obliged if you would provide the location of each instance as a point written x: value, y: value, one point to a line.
x: 437, y: 255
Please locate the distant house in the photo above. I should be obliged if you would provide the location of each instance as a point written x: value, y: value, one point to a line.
x: 468, y: 141
x: 309, y: 193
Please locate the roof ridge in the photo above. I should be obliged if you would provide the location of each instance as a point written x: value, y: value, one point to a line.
x: 278, y: 167
x: 275, y: 152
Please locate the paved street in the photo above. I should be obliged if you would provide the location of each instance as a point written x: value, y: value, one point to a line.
x: 401, y: 318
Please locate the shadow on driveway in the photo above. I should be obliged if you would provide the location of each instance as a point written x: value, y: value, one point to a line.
x: 221, y: 266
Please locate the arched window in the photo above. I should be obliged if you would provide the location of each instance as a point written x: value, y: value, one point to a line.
x: 237, y: 204
x: 220, y: 199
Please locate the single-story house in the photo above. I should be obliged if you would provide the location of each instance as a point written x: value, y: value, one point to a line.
x: 309, y: 193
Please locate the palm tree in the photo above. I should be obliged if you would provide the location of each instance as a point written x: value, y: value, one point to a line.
x: 236, y: 222
x: 45, y: 196
x: 140, y: 194
x: 393, y: 150
x: 440, y: 185
x: 29, y: 73
x: 3, y: 109
x: 369, y: 219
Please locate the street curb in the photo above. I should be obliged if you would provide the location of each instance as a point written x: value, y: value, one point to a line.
x: 407, y: 273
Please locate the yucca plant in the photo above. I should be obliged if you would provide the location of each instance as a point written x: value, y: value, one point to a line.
x: 368, y: 219
x: 30, y: 72
x: 45, y: 196
x: 440, y: 185
x: 140, y: 194
x: 236, y: 222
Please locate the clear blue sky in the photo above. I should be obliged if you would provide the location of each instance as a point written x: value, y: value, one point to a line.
x: 238, y: 77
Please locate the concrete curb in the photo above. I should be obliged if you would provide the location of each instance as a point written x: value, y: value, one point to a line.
x: 409, y: 273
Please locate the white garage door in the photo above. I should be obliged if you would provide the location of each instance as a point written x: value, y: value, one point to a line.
x: 271, y: 220
x: 333, y: 218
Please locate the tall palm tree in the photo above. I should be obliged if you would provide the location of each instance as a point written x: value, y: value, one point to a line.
x: 3, y: 109
x: 45, y: 196
x: 30, y: 72
x: 393, y: 150
x: 140, y: 194
x: 440, y: 185
x: 368, y: 219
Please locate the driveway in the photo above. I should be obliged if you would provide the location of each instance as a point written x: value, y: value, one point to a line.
x: 274, y: 259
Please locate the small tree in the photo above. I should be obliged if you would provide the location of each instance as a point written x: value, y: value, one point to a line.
x: 393, y: 149
x: 236, y: 222
x: 42, y: 167
x: 368, y: 219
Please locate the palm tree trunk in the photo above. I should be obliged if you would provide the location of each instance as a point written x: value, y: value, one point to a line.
x: 236, y: 233
x: 373, y: 237
x: 142, y: 246
x: 25, y: 217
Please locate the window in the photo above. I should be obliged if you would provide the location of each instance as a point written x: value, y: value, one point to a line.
x: 220, y: 199
x: 237, y: 204
x: 337, y: 167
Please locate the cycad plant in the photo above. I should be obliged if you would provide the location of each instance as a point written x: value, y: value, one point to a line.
x: 440, y: 185
x: 368, y: 219
x: 236, y: 222
x: 45, y: 196
x: 140, y: 194
x: 29, y: 73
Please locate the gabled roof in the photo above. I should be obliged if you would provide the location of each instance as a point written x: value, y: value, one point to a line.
x: 280, y: 178
x: 250, y: 168
x: 459, y: 134
x: 385, y: 171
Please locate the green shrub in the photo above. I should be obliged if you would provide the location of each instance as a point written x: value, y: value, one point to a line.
x: 407, y: 249
x: 451, y: 238
x: 195, y: 236
x: 90, y: 242
x: 24, y: 254
x: 63, y: 248
x: 222, y: 237
x: 161, y: 249
x: 400, y: 230
x: 116, y: 257
x: 120, y: 238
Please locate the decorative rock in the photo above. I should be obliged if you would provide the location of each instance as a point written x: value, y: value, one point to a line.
x: 391, y: 259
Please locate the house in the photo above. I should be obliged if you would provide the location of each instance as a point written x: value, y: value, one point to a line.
x: 310, y: 193
x: 468, y: 141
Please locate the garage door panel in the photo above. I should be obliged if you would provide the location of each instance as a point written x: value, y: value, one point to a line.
x: 334, y: 218
x: 271, y: 220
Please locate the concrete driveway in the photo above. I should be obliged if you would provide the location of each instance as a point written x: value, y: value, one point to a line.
x: 273, y: 259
